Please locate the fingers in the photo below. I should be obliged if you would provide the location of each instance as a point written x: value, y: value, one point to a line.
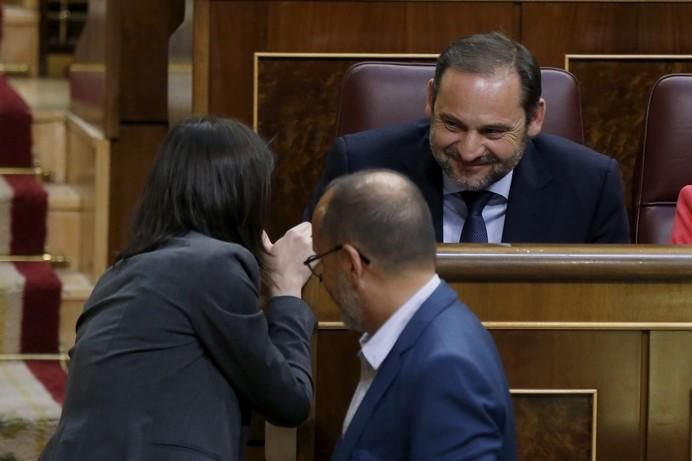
x: 266, y: 241
x: 302, y: 229
x: 301, y: 239
x: 286, y: 270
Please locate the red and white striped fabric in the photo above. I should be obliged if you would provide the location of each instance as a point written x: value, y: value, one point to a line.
x: 15, y: 128
x: 31, y: 394
x: 23, y: 208
x: 29, y: 308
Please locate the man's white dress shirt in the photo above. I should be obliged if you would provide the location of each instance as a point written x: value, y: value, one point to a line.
x: 374, y: 349
x: 454, y: 210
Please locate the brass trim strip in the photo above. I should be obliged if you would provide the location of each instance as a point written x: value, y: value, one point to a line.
x: 180, y: 67
x: 11, y: 357
x: 331, y: 326
x: 15, y: 69
x: 553, y: 391
x: 595, y: 425
x: 587, y: 252
x: 87, y: 67
x: 612, y: 326
x: 32, y: 171
x: 625, y: 57
x: 46, y: 258
x: 626, y: 326
x: 255, y: 91
x: 273, y: 54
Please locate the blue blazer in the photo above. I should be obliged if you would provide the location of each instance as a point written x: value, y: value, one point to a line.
x: 440, y: 394
x: 561, y: 192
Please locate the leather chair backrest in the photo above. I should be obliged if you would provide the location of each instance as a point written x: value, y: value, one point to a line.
x: 665, y: 163
x: 376, y: 94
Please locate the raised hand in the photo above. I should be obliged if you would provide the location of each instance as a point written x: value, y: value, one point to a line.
x: 285, y: 269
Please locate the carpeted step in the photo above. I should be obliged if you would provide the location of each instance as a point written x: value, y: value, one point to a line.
x: 30, y: 295
x: 31, y: 392
x: 23, y: 208
x: 15, y: 128
x: 31, y: 396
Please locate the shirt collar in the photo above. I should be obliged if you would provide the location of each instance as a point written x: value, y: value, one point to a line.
x: 500, y: 187
x: 376, y: 348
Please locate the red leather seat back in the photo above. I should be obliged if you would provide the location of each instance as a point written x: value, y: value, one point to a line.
x: 665, y: 163
x: 376, y: 94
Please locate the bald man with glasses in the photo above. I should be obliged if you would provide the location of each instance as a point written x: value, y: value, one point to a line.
x: 432, y: 385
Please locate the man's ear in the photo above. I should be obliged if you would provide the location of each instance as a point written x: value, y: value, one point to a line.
x: 353, y: 263
x: 430, y: 103
x: 536, y: 122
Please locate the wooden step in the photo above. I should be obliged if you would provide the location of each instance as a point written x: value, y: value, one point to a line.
x: 19, y: 47
x: 49, y: 100
x: 64, y: 223
x: 49, y: 135
x: 31, y: 393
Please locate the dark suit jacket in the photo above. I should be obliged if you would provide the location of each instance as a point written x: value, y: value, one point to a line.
x: 440, y: 394
x: 173, y: 352
x: 561, y: 192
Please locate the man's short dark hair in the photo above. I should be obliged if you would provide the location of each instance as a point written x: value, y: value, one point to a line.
x: 384, y: 215
x: 484, y: 54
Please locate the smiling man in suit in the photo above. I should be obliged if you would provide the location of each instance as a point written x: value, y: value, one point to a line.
x: 432, y: 385
x: 481, y: 157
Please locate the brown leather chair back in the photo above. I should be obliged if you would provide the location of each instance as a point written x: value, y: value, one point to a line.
x: 665, y: 163
x: 375, y: 94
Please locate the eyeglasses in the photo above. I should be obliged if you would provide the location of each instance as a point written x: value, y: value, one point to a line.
x: 317, y: 269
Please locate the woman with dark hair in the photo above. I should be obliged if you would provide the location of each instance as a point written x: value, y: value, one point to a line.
x: 173, y: 351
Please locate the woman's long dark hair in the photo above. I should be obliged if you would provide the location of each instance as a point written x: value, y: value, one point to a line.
x: 211, y: 175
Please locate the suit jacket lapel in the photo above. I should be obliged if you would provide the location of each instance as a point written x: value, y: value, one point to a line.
x: 442, y: 297
x: 529, y: 202
x: 427, y: 174
x: 384, y: 378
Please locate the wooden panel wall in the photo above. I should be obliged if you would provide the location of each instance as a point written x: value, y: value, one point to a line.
x: 553, y: 29
x: 615, y: 94
x: 297, y: 99
x: 118, y: 83
x: 180, y: 68
x: 88, y: 90
x: 237, y: 29
x: 324, y: 27
x: 556, y: 424
x: 614, y: 102
x: 229, y: 32
x: 670, y: 404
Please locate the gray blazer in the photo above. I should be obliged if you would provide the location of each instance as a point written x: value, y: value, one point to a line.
x: 172, y: 354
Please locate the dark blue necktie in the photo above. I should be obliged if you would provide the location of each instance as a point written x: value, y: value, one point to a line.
x: 474, y: 226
